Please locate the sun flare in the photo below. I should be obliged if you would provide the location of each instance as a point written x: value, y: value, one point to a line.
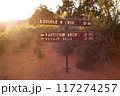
x: 22, y: 9
x: 15, y: 9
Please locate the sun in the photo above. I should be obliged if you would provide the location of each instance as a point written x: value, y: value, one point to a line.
x: 15, y: 9
x: 23, y: 9
x: 8, y: 10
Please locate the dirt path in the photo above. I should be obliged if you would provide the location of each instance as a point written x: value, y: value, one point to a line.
x: 25, y: 65
x: 59, y: 63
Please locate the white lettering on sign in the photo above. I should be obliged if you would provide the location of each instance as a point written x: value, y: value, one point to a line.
x: 65, y: 22
x: 49, y: 34
x: 42, y: 34
x: 40, y: 21
x: 90, y: 36
x: 89, y: 23
x: 62, y: 35
x: 84, y: 23
x: 42, y: 38
x: 50, y: 21
x: 61, y: 22
x: 70, y: 22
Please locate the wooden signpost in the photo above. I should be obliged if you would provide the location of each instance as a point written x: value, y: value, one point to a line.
x: 66, y: 36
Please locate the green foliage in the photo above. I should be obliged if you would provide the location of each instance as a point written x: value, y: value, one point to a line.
x: 42, y: 12
x: 37, y: 50
x: 24, y: 43
x: 83, y: 65
x: 94, y: 53
x: 117, y: 33
x: 63, y: 47
x: 67, y: 7
x: 3, y: 40
x: 105, y: 17
x: 4, y: 37
x: 46, y: 28
x: 20, y: 34
x: 84, y: 8
x: 1, y: 48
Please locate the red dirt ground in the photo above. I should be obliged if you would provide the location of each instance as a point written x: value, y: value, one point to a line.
x: 25, y: 65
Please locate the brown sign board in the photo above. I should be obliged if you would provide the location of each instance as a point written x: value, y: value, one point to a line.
x: 69, y: 22
x: 63, y: 36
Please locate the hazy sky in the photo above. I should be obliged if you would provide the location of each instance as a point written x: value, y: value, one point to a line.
x: 23, y: 9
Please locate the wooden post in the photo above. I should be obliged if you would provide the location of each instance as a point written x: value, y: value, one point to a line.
x: 66, y: 29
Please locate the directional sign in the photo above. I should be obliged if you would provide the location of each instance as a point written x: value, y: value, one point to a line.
x: 63, y: 36
x: 66, y: 36
x: 68, y: 22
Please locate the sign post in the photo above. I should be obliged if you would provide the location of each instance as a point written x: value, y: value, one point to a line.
x: 66, y: 29
x: 66, y: 36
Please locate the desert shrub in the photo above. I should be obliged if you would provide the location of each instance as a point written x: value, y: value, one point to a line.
x: 46, y: 28
x: 62, y: 48
x: 54, y: 28
x: 100, y: 51
x: 4, y: 37
x: 1, y: 48
x: 94, y: 53
x: 20, y: 34
x: 83, y: 65
x: 74, y: 29
x: 37, y: 50
x: 117, y: 36
x: 24, y: 43
x: 3, y: 40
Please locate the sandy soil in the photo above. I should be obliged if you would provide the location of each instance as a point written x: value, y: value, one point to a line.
x: 25, y: 65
